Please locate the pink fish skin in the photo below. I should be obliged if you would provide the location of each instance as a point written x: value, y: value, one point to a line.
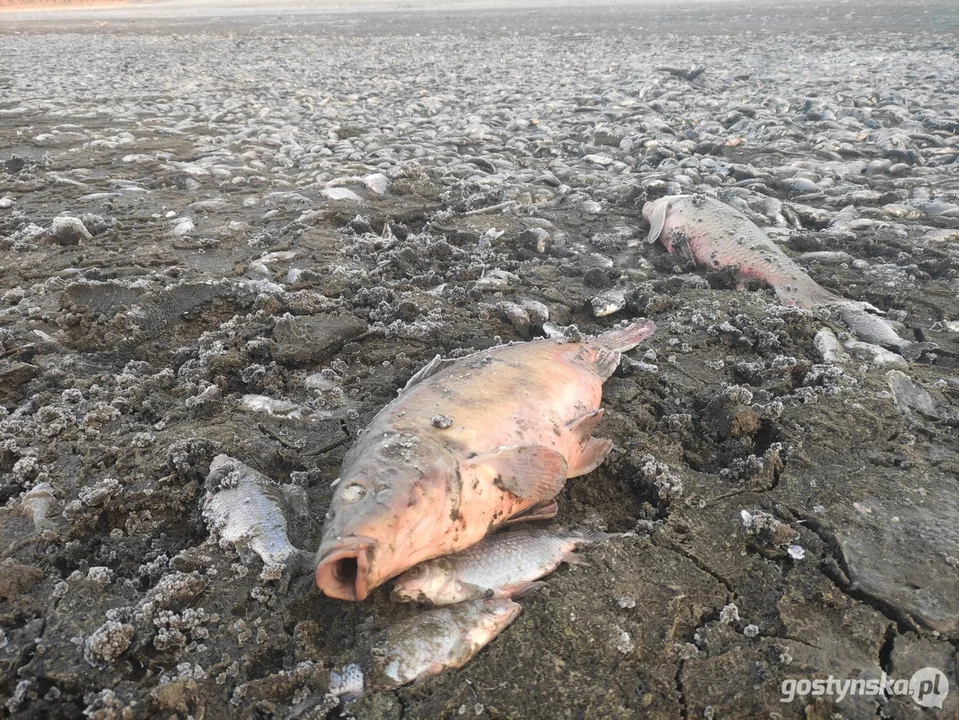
x: 466, y: 447
x: 716, y: 236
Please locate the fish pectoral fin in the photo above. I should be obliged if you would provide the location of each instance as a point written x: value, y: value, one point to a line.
x: 530, y: 472
x: 591, y: 456
x: 470, y: 591
x: 657, y: 219
x: 463, y: 649
x: 583, y: 426
x: 545, y: 510
x: 573, y: 558
x: 520, y: 589
x: 428, y: 370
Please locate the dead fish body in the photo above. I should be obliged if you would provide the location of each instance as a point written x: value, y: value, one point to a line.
x: 717, y: 236
x: 432, y: 641
x: 516, y: 423
x: 506, y: 564
x: 873, y: 329
x: 608, y: 302
x: 245, y: 507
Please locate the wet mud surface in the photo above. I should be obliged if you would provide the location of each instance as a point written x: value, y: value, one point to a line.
x: 312, y: 216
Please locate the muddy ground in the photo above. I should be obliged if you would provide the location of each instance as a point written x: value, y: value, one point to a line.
x: 126, y: 353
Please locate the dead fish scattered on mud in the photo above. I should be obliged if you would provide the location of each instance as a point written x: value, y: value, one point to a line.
x: 244, y: 507
x: 714, y: 235
x: 506, y: 564
x: 873, y: 329
x: 37, y: 504
x: 521, y: 423
x: 428, y: 643
x: 608, y: 302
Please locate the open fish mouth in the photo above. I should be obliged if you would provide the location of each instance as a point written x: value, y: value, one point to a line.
x: 343, y: 570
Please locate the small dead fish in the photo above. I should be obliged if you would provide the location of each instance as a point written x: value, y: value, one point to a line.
x: 245, y: 507
x: 521, y: 419
x: 873, y: 329
x: 909, y: 397
x: 347, y: 683
x: 608, y: 302
x: 715, y: 236
x: 874, y: 354
x: 432, y: 641
x: 828, y: 346
x: 37, y: 502
x: 827, y: 257
x: 517, y: 316
x: 506, y: 564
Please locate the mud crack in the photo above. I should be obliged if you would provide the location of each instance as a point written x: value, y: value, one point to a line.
x: 839, y: 574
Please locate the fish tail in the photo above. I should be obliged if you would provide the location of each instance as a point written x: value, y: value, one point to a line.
x: 625, y: 338
x: 912, y: 351
x: 805, y: 294
x: 596, y: 537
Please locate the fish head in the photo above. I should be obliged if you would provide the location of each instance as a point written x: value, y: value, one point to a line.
x: 394, y: 507
x: 495, y: 615
x: 423, y: 583
x: 654, y: 213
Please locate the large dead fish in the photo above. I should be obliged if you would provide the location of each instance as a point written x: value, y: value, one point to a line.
x: 468, y: 445
x: 505, y: 564
x: 714, y: 235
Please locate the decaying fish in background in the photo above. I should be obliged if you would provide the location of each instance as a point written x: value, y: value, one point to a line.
x: 505, y: 564
x: 426, y: 644
x: 713, y: 235
x: 716, y: 236
x: 467, y: 446
x: 245, y: 507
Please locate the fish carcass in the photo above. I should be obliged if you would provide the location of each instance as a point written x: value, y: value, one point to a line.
x: 714, y: 235
x: 468, y: 445
x: 505, y: 564
x: 425, y: 644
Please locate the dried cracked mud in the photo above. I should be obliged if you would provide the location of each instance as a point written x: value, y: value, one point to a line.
x: 243, y: 237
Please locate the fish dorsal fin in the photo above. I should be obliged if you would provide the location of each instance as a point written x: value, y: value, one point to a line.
x: 657, y: 219
x: 428, y: 370
x: 530, y: 472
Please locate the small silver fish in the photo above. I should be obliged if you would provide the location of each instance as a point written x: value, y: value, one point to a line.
x: 873, y: 329
x: 37, y: 503
x: 506, y: 564
x: 245, y: 507
x: 828, y: 346
x: 432, y: 641
x: 608, y: 302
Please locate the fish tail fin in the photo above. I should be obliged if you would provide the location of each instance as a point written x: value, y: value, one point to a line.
x: 805, y: 295
x: 625, y: 338
x: 597, y: 537
x: 912, y: 351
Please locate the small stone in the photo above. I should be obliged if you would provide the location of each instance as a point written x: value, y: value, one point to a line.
x: 441, y: 421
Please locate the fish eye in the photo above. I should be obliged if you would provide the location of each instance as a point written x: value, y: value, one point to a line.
x: 416, y: 571
x: 352, y: 493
